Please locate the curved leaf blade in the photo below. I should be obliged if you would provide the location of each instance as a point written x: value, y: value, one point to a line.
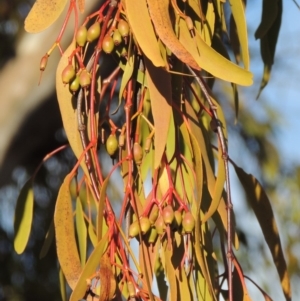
x: 43, y: 14
x: 159, y: 12
x: 238, y: 12
x: 81, y: 231
x: 140, y: 24
x: 65, y: 235
x: 89, y: 269
x: 212, y: 61
x: 159, y: 84
x: 261, y: 206
x: 23, y: 217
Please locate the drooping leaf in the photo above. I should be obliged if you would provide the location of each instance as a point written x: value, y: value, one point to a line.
x: 92, y: 235
x: 262, y: 208
x: 140, y: 22
x: 48, y: 240
x: 66, y: 247
x: 101, y: 208
x: 126, y: 77
x: 89, y: 269
x: 238, y: 12
x: 159, y: 84
x: 23, y: 217
x: 159, y: 12
x: 268, y: 32
x: 81, y: 231
x: 211, y: 61
x: 43, y: 14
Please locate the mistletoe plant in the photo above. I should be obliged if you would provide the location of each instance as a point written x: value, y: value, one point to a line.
x: 135, y: 85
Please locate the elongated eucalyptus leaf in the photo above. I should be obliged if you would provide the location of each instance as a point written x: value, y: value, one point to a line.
x: 23, y: 217
x: 140, y: 22
x: 43, y: 14
x: 211, y: 61
x: 89, y: 269
x: 262, y: 208
x: 268, y: 32
x: 159, y: 84
x: 126, y: 76
x: 81, y: 231
x: 238, y: 12
x: 67, y: 252
x: 159, y: 12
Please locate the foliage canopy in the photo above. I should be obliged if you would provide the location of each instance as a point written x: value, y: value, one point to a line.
x: 135, y: 87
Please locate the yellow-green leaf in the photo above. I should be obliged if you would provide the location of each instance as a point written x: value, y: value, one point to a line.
x: 128, y: 70
x: 23, y: 217
x: 238, y: 12
x: 211, y: 61
x: 43, y: 14
x: 159, y: 12
x: 67, y: 252
x: 101, y: 208
x: 89, y: 269
x: 262, y: 208
x: 140, y: 23
x: 81, y: 231
x: 159, y: 84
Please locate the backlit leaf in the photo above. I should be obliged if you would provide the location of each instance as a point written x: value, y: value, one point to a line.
x: 238, y: 12
x: 140, y: 22
x: 65, y: 235
x: 81, y: 231
x: 23, y: 217
x: 261, y: 206
x: 211, y: 61
x: 43, y: 14
x: 159, y: 12
x: 159, y: 84
x: 89, y: 269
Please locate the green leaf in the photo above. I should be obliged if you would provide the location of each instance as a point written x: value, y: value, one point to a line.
x: 211, y: 61
x: 81, y: 231
x: 67, y: 252
x: 48, y: 240
x: 261, y: 206
x: 89, y: 269
x: 23, y: 217
x: 43, y: 14
x: 140, y: 23
x: 159, y: 84
x: 238, y: 12
x: 128, y: 70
